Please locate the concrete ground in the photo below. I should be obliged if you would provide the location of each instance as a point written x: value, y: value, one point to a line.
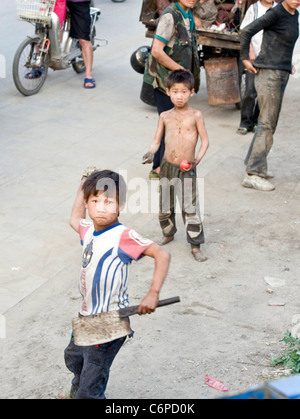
x: 226, y: 325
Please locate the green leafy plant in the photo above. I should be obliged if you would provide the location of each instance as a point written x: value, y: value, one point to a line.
x: 291, y: 354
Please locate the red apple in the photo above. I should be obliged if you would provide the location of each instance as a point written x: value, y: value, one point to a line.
x: 185, y: 165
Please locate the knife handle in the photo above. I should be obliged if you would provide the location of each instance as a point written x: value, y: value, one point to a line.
x: 130, y: 311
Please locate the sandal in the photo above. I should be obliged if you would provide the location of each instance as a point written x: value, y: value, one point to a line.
x: 216, y: 384
x: 154, y: 175
x: 90, y: 81
x: 242, y: 131
x: 34, y: 74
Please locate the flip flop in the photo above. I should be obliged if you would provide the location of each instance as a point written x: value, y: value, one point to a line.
x: 154, y: 175
x: 216, y: 384
x: 34, y: 74
x: 242, y: 131
x: 91, y: 81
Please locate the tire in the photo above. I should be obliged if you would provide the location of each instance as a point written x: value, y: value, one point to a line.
x: 22, y: 65
x: 78, y: 64
x: 139, y: 57
x: 147, y: 94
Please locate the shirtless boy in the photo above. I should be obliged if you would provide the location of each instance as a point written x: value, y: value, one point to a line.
x: 182, y: 126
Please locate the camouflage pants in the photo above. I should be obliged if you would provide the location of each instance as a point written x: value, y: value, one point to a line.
x: 175, y: 184
x: 270, y: 86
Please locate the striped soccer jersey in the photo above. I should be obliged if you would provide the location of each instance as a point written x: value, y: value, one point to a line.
x: 107, y: 255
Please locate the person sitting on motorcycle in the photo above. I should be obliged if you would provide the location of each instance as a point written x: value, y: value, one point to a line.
x: 60, y: 9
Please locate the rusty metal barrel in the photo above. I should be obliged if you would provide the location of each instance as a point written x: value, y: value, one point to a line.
x: 222, y: 81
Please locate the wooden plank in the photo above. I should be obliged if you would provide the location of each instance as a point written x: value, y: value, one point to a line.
x: 217, y: 43
x: 227, y: 36
x: 205, y: 37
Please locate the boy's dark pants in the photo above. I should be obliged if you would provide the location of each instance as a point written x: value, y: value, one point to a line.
x: 91, y: 365
x: 175, y: 183
x: 270, y: 86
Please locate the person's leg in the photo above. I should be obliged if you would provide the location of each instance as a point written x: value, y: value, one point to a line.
x: 80, y: 29
x: 270, y: 86
x: 249, y: 106
x: 167, y: 202
x: 191, y: 214
x: 87, y: 55
x: 74, y: 362
x: 96, y: 367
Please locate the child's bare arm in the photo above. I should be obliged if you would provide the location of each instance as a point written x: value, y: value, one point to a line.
x: 252, y: 55
x: 162, y: 262
x: 203, y: 138
x: 78, y: 210
x: 148, y: 157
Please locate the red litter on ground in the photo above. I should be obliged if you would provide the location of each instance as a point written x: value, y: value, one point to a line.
x: 216, y: 384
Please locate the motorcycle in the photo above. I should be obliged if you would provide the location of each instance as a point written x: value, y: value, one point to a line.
x: 50, y: 47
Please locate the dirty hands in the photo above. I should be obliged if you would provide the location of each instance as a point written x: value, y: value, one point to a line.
x: 148, y: 158
x: 190, y: 165
x: 148, y: 304
x: 249, y: 66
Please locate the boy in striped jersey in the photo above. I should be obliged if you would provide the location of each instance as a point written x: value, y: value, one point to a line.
x: 108, y: 250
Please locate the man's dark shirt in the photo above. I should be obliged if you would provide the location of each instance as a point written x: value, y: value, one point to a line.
x: 281, y: 31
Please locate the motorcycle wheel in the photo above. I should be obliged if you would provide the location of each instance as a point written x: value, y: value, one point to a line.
x: 139, y: 57
x: 78, y: 63
x: 22, y: 65
x: 147, y: 94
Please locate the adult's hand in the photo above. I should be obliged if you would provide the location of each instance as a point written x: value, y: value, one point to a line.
x: 249, y: 66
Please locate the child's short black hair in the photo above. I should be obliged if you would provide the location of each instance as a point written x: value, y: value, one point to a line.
x: 181, y: 76
x: 111, y: 183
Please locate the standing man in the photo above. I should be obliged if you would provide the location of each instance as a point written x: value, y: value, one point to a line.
x: 249, y: 108
x: 272, y: 69
x: 174, y: 48
x: 80, y: 29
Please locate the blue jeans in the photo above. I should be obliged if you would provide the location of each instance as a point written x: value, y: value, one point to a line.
x: 270, y: 86
x: 90, y: 366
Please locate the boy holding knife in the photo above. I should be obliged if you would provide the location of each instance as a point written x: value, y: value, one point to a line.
x: 108, y: 250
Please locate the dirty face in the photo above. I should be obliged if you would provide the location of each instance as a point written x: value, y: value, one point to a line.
x: 267, y: 3
x: 187, y: 4
x: 180, y: 94
x: 103, y: 210
x: 291, y: 5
